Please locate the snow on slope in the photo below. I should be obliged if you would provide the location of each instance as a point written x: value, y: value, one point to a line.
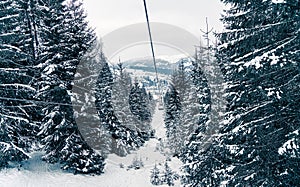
x: 36, y: 173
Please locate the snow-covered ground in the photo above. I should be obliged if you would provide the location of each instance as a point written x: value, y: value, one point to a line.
x: 36, y: 173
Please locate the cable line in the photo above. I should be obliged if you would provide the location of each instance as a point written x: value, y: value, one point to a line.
x: 151, y: 43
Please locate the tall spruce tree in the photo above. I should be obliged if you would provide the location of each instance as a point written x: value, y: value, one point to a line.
x: 83, y: 99
x: 181, y: 80
x: 16, y: 114
x: 176, y: 110
x: 265, y: 64
x: 155, y: 177
x: 203, y: 94
x: 168, y: 176
x: 41, y: 45
x: 65, y: 37
x: 194, y: 105
x: 139, y: 105
x: 201, y: 109
x: 139, y: 102
x: 259, y: 56
x: 120, y: 93
x: 173, y: 109
x: 123, y: 139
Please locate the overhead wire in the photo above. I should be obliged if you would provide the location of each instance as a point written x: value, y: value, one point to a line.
x: 151, y: 44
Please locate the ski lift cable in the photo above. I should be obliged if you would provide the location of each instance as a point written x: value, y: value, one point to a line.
x: 151, y: 43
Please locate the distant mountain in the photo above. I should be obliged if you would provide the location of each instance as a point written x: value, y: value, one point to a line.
x: 163, y: 67
x: 142, y: 69
x: 174, y: 59
x: 165, y: 64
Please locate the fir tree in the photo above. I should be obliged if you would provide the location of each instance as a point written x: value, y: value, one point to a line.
x: 173, y: 109
x: 123, y: 139
x: 200, y: 109
x: 181, y: 80
x: 155, y: 177
x: 38, y: 62
x: 202, y: 93
x: 139, y: 103
x: 61, y: 51
x: 191, y: 115
x: 192, y: 110
x: 258, y: 145
x: 169, y: 176
x: 96, y: 135
x: 262, y: 70
x: 140, y: 107
x: 9, y: 152
x: 16, y: 90
x: 120, y: 93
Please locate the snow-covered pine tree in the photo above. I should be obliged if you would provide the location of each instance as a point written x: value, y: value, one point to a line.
x: 202, y: 92
x: 79, y: 36
x: 200, y: 108
x: 108, y: 120
x: 181, y: 80
x: 61, y: 139
x: 191, y: 101
x: 139, y: 103
x: 65, y: 37
x: 196, y: 103
x: 168, y: 176
x: 262, y: 71
x: 16, y: 90
x: 123, y: 139
x: 190, y: 116
x: 192, y: 155
x: 42, y: 54
x: 9, y: 152
x: 83, y: 99
x: 173, y: 109
x: 140, y: 107
x: 64, y: 27
x: 259, y: 55
x: 155, y: 177
x: 120, y: 98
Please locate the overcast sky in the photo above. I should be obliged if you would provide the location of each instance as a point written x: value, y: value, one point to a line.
x: 109, y: 15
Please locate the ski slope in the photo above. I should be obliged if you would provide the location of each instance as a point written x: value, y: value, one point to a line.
x: 36, y: 173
